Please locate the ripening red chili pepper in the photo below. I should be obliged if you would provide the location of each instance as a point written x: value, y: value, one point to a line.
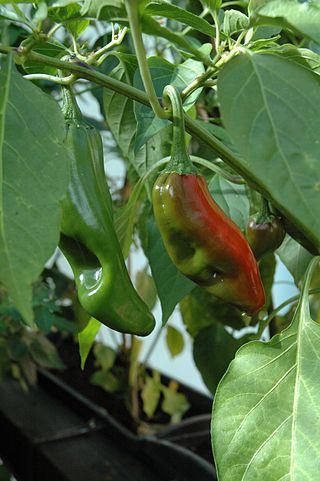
x: 204, y: 244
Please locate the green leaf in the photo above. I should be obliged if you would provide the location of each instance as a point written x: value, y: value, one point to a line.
x: 150, y: 394
x: 164, y: 9
x: 266, y: 409
x: 213, y: 350
x: 301, y: 15
x: 46, y: 311
x: 174, y: 340
x: 172, y: 286
x: 105, y: 356
x: 69, y: 13
x: 122, y: 122
x: 146, y: 288
x: 62, y: 11
x: 275, y: 126
x: 44, y: 353
x: 295, y: 257
x: 86, y: 339
x: 174, y: 403
x: 124, y: 218
x: 33, y: 179
x: 106, y: 380
x: 76, y: 27
x: 118, y: 108
x: 232, y: 199
x: 201, y: 309
x: 234, y: 21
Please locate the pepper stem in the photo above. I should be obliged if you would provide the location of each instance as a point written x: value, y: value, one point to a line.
x: 70, y: 108
x: 265, y: 214
x: 180, y: 161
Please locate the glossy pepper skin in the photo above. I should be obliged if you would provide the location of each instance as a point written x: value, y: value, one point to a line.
x: 89, y: 241
x: 203, y: 243
x: 265, y: 235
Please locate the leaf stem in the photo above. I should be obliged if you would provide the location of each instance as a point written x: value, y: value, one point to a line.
x: 51, y: 78
x: 234, y: 2
x: 98, y: 57
x: 218, y: 170
x: 200, y: 80
x: 133, y: 16
x: 53, y: 30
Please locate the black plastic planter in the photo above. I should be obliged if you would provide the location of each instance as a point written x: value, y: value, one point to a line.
x: 53, y: 433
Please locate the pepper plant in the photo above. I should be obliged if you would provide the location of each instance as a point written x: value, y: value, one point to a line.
x: 245, y: 108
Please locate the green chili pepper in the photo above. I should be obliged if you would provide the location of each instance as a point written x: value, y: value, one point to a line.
x: 88, y: 237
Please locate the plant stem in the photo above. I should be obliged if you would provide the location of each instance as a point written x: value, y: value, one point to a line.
x: 217, y: 39
x: 152, y: 347
x: 133, y: 16
x: 275, y: 311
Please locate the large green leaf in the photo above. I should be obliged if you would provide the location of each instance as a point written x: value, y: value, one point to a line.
x: 271, y: 113
x: 33, y: 178
x: 301, y: 15
x: 266, y: 420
